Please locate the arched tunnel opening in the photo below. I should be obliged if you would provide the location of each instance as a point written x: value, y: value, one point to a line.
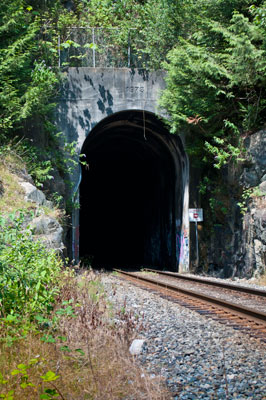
x: 131, y: 193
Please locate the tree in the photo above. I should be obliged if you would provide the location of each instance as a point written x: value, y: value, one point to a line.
x: 26, y: 84
x: 216, y: 83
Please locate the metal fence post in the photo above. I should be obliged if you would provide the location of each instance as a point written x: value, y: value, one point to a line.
x: 128, y: 50
x: 93, y: 48
x: 59, y: 52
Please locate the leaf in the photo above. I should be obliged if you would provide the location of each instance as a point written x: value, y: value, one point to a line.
x: 41, y: 319
x: 22, y: 366
x: 49, y: 394
x: 2, y: 380
x: 48, y: 339
x: 62, y: 338
x: 8, y: 396
x: 49, y: 376
x: 10, y: 318
x: 80, y: 351
x: 16, y: 372
x: 33, y: 361
x: 87, y: 45
x: 65, y: 348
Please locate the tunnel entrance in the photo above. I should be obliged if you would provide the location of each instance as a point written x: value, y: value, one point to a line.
x: 131, y: 193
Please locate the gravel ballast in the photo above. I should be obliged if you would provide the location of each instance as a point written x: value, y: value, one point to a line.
x: 198, y: 358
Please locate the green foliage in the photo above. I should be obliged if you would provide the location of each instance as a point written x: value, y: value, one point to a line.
x: 147, y: 25
x: 259, y: 13
x: 38, y: 166
x: 224, y: 152
x: 24, y: 371
x: 29, y: 156
x: 26, y: 84
x: 160, y: 27
x: 57, y: 199
x: 243, y: 204
x: 29, y: 81
x: 28, y: 272
x: 247, y: 195
x: 216, y: 85
x: 216, y: 90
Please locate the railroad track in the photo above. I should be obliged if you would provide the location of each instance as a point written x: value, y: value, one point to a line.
x: 246, y: 319
x: 225, y: 285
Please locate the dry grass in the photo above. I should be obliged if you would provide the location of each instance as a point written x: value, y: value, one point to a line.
x: 95, y: 362
x: 261, y: 280
x: 12, y: 194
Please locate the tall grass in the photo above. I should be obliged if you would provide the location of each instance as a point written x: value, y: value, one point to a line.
x: 78, y: 352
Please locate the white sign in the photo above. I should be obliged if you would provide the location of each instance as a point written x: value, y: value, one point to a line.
x: 195, y: 214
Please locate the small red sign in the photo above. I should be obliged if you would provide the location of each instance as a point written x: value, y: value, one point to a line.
x: 195, y: 214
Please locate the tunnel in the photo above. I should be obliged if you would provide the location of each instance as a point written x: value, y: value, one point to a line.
x: 131, y: 193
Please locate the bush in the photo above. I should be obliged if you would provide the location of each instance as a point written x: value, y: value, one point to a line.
x: 84, y: 355
x: 28, y: 271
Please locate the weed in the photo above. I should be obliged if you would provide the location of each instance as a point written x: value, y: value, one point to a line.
x: 76, y: 353
x: 146, y: 272
x: 28, y: 273
x: 246, y: 197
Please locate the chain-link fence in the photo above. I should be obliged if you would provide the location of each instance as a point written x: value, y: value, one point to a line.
x: 98, y: 47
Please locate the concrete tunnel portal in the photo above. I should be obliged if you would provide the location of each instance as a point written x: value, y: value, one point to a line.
x: 132, y: 193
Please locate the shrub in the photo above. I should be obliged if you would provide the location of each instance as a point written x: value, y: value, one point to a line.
x: 28, y: 272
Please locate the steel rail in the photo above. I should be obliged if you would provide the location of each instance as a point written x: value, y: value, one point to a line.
x: 238, y: 288
x: 259, y: 316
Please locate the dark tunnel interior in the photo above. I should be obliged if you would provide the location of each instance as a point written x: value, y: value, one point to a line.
x: 128, y: 194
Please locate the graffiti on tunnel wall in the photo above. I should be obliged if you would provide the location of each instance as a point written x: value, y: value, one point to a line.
x: 182, y: 247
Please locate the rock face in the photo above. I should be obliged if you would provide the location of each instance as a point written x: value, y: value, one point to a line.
x: 237, y: 247
x: 262, y: 187
x: 254, y: 236
x: 45, y: 228
x: 49, y: 231
x: 255, y: 174
x: 254, y: 224
x: 33, y: 194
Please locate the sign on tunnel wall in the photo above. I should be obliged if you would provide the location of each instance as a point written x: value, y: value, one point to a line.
x: 195, y: 214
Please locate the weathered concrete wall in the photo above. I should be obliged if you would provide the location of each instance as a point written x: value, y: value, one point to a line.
x: 91, y: 94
